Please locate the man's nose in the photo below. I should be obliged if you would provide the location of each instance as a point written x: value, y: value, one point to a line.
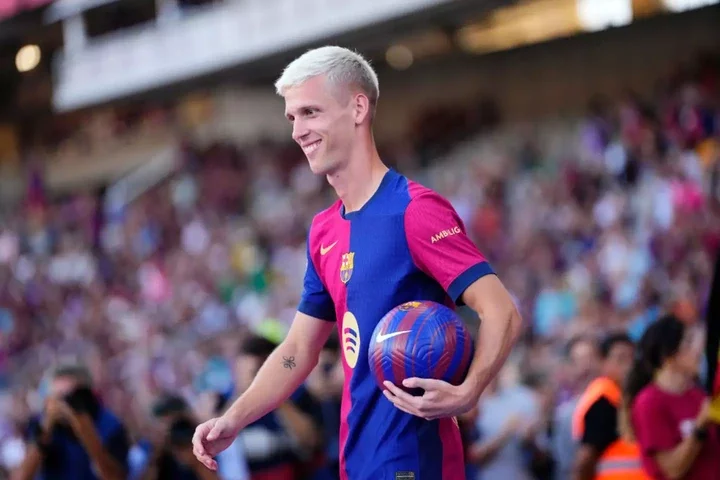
x: 299, y: 130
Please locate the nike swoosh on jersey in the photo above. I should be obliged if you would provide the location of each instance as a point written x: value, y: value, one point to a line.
x: 384, y: 336
x: 324, y: 250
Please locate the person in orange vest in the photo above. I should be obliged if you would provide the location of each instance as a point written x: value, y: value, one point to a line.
x: 602, y: 454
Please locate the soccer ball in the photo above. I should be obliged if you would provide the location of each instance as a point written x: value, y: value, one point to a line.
x: 420, y: 339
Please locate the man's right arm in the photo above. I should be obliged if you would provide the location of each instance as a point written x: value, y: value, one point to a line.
x: 30, y: 465
x: 284, y: 370
x: 281, y: 374
x: 599, y: 433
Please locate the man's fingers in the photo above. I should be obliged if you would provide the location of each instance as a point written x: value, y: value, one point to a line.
x: 197, y: 440
x: 424, y: 383
x: 209, y: 463
x: 402, y: 404
x: 214, y: 433
x: 399, y: 392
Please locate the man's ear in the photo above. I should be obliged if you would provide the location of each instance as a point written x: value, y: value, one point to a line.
x: 361, y: 106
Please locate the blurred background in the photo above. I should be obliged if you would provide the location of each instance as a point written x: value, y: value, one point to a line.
x: 153, y: 208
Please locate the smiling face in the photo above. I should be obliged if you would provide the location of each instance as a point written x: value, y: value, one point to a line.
x: 324, y: 119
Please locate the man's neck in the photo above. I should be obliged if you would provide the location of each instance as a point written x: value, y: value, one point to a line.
x: 359, y: 180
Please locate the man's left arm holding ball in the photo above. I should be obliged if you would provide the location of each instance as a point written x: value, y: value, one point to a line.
x: 440, y: 248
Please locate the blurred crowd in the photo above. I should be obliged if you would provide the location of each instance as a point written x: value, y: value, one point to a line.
x: 596, y: 225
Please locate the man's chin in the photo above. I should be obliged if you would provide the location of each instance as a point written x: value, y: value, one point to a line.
x: 319, y: 167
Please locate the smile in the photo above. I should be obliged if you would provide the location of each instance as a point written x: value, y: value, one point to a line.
x: 311, y: 147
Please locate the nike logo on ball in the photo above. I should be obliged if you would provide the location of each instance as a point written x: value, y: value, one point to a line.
x: 384, y: 336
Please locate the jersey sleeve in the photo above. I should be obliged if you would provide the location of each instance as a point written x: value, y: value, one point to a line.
x: 315, y: 299
x: 440, y: 247
x: 600, y: 425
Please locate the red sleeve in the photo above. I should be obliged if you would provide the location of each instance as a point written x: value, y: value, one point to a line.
x: 439, y: 245
x: 653, y: 426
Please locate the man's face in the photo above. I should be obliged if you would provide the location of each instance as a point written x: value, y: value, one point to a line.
x: 619, y: 361
x: 324, y: 120
x: 61, y: 386
x: 584, y: 359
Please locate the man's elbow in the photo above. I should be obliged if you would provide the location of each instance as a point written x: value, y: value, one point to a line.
x: 516, y: 323
x: 510, y: 316
x: 489, y: 298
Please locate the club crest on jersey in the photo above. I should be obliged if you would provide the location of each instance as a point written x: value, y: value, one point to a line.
x: 346, y: 267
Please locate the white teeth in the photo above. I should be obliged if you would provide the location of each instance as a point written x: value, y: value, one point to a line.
x: 312, y: 147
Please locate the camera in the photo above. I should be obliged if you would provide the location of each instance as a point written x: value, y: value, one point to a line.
x: 83, y: 400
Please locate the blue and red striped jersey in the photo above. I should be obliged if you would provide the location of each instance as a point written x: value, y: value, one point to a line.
x: 406, y: 243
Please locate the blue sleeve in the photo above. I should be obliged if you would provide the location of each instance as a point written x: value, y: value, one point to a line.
x: 118, y: 446
x: 315, y: 300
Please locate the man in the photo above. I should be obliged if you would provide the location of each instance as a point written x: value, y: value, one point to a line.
x: 602, y: 454
x: 582, y: 357
x: 280, y: 444
x: 325, y: 384
x: 75, y: 437
x: 171, y: 456
x: 510, y: 416
x: 386, y: 241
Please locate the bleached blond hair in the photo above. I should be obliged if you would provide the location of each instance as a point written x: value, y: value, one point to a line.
x: 342, y: 67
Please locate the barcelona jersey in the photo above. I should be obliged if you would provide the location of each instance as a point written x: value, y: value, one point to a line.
x: 406, y: 243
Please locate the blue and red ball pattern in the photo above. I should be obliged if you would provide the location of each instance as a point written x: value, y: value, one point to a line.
x: 434, y: 343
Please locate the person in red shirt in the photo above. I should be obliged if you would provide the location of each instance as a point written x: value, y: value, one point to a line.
x: 668, y: 409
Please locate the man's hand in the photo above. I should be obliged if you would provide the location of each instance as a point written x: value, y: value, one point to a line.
x: 56, y: 411
x: 212, y: 437
x: 440, y: 400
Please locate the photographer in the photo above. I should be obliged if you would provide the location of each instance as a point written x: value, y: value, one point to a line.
x: 282, y: 444
x: 75, y: 437
x: 172, y: 455
x: 325, y: 385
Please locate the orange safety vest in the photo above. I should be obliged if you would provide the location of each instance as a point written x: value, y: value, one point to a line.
x: 621, y: 460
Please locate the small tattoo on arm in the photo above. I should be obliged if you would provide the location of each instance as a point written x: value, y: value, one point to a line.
x: 289, y: 362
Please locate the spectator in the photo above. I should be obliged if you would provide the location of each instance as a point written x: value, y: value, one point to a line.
x: 581, y: 358
x: 75, y: 437
x: 509, y: 418
x: 602, y: 454
x: 325, y: 384
x: 282, y: 444
x: 170, y: 454
x: 669, y: 412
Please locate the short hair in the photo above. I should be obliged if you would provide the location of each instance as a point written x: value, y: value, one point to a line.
x: 76, y: 371
x: 341, y: 67
x: 577, y: 340
x: 613, y: 339
x: 257, y: 346
x: 169, y: 404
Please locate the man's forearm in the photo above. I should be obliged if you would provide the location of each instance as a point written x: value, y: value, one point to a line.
x: 496, y: 338
x: 107, y: 467
x: 30, y: 465
x: 281, y: 374
x: 586, y: 459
